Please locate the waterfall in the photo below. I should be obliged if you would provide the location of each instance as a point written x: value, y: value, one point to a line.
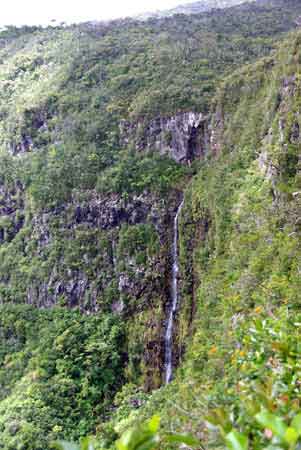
x: 174, y: 298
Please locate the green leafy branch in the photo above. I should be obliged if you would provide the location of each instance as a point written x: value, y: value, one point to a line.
x: 144, y: 436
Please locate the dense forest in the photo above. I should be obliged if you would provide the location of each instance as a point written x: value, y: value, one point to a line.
x: 106, y: 129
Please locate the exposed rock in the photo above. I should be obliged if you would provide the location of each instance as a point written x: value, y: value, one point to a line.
x: 265, y: 164
x: 184, y: 136
x: 24, y: 145
x: 92, y: 281
x: 11, y: 211
x: 295, y: 134
x: 109, y: 212
x: 216, y: 131
x: 118, y: 307
x: 32, y: 133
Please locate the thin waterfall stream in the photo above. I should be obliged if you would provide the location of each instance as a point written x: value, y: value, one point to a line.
x: 174, y: 297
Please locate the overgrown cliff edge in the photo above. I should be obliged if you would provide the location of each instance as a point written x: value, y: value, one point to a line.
x: 104, y: 130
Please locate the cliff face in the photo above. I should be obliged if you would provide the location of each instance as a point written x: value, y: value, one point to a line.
x: 99, y: 126
x: 183, y: 137
x: 101, y: 255
x: 115, y: 251
x: 242, y: 213
x: 11, y: 211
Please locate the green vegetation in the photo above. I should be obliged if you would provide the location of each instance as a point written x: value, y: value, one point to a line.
x: 85, y: 233
x: 47, y: 358
x: 148, y: 436
x: 135, y: 174
x: 241, y: 369
x: 66, y: 89
x: 145, y: 436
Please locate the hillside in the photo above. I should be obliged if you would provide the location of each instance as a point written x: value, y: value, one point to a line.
x: 241, y: 222
x: 104, y: 130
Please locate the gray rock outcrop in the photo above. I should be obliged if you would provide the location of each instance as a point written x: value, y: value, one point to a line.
x: 184, y: 136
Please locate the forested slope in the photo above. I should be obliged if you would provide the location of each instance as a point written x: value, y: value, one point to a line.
x: 242, y: 211
x: 104, y: 128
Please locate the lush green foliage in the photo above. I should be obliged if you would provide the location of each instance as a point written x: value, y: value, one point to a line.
x: 66, y: 89
x: 59, y: 371
x: 147, y: 436
x: 136, y: 174
x: 144, y: 436
x: 241, y: 370
x: 64, y: 93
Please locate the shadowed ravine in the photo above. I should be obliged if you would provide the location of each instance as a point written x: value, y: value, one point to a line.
x: 174, y: 298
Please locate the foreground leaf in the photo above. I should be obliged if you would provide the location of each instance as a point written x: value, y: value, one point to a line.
x: 236, y: 441
x: 186, y: 439
x: 154, y: 424
x: 64, y: 445
x: 87, y: 444
x: 296, y: 423
x: 272, y: 422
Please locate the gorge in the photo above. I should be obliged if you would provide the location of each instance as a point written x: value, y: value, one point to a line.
x: 150, y: 207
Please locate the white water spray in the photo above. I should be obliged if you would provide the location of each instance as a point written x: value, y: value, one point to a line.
x: 174, y: 298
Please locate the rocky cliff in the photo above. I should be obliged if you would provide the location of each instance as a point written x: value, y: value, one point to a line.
x: 104, y: 129
x: 98, y: 254
x: 97, y: 230
x: 183, y: 137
